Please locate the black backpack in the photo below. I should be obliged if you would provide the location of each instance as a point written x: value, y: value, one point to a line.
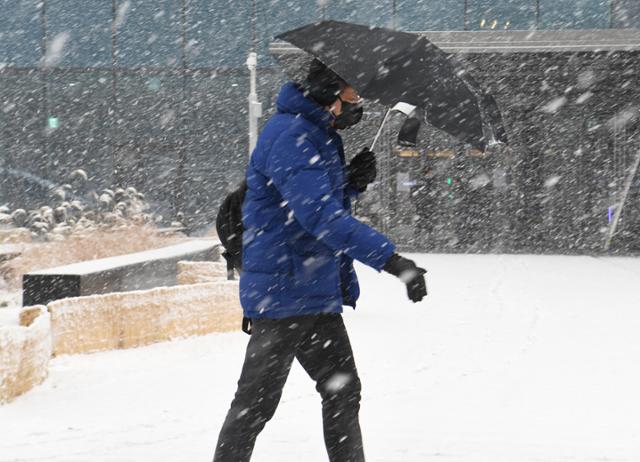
x: 229, y: 227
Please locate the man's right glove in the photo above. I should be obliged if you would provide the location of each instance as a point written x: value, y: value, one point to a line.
x: 362, y: 170
x: 409, y: 273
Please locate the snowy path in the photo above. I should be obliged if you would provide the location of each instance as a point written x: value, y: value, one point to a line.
x: 511, y: 358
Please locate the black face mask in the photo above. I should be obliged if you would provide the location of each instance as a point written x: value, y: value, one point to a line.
x: 351, y: 114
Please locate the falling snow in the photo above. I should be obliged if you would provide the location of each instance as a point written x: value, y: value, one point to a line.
x: 135, y: 116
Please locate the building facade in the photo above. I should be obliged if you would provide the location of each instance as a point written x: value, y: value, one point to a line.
x: 153, y: 94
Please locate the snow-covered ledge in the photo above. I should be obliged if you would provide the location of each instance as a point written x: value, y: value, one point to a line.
x: 25, y: 349
x: 133, y: 319
x: 195, y: 272
x: 122, y: 273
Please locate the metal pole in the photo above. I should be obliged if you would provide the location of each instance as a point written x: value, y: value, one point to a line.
x: 394, y: 15
x: 179, y: 187
x: 44, y: 73
x: 255, y: 107
x: 254, y: 26
x: 620, y: 205
x: 465, y: 15
x: 384, y: 120
x: 612, y: 12
x: 406, y: 108
x: 113, y: 116
x: 537, y: 14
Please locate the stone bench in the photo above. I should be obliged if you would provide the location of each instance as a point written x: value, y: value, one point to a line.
x: 136, y: 271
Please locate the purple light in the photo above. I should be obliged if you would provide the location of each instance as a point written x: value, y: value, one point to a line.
x: 610, y: 213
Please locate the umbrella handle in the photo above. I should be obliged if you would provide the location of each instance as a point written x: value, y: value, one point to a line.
x: 384, y: 120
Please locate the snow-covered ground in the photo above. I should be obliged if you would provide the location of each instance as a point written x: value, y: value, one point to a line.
x: 10, y: 316
x: 510, y: 358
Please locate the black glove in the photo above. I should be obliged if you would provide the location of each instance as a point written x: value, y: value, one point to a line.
x: 362, y: 170
x: 410, y: 274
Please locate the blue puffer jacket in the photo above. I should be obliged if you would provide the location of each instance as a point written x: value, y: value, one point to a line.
x: 300, y: 238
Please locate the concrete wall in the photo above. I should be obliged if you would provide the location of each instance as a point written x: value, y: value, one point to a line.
x: 203, y: 303
x: 195, y: 272
x: 25, y: 350
x: 133, y: 319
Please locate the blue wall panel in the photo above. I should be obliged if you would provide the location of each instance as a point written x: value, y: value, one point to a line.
x: 371, y: 12
x: 277, y: 16
x: 420, y: 15
x: 82, y: 31
x: 626, y: 13
x: 149, y: 33
x: 574, y: 14
x: 218, y: 33
x: 20, y: 33
x: 502, y: 14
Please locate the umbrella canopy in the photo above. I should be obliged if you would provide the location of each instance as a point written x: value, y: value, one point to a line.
x: 388, y: 67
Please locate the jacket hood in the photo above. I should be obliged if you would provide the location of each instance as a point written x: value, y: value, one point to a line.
x: 291, y: 100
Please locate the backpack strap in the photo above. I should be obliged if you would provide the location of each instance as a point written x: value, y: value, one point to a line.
x: 229, y: 259
x: 247, y: 325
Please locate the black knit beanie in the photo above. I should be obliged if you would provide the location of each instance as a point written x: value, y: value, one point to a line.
x: 322, y: 84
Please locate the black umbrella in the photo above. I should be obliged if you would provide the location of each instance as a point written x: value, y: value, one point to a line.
x: 388, y: 67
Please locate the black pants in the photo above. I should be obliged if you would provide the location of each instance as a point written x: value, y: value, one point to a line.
x: 321, y: 345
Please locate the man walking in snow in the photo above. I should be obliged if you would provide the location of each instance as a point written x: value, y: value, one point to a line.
x: 299, y: 244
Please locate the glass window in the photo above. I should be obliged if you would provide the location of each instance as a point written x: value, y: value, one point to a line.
x: 146, y: 147
x: 626, y: 13
x: 216, y: 137
x: 21, y: 121
x: 421, y: 15
x: 152, y: 168
x: 78, y: 125
x: 501, y: 14
x: 216, y: 119
x: 78, y: 33
x: 149, y: 33
x: 149, y: 104
x: 574, y: 14
x: 20, y: 33
x: 218, y: 36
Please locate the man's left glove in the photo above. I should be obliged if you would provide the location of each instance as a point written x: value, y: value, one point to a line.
x: 409, y: 273
x: 362, y: 170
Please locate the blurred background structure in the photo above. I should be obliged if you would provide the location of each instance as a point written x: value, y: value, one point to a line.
x: 153, y: 94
